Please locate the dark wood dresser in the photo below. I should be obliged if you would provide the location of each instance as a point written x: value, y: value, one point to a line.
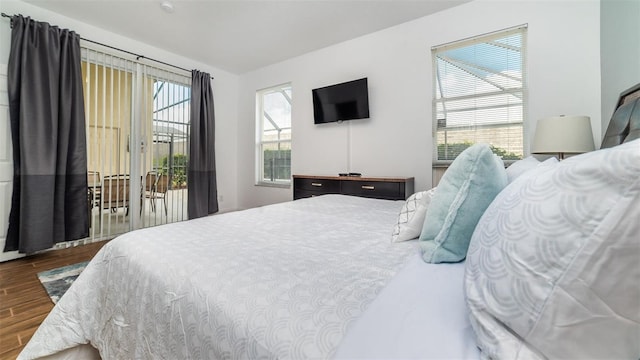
x: 372, y: 187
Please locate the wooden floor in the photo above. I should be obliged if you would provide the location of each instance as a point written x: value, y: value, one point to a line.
x: 23, y: 301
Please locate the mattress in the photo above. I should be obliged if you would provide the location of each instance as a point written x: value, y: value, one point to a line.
x: 303, y: 279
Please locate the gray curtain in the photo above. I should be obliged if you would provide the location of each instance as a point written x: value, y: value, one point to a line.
x: 201, y: 180
x: 46, y: 107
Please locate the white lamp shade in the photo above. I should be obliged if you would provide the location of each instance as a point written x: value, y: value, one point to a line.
x: 563, y: 135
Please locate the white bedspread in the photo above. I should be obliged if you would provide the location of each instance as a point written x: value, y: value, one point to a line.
x: 283, y: 281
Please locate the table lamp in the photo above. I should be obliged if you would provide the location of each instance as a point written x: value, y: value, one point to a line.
x: 563, y: 135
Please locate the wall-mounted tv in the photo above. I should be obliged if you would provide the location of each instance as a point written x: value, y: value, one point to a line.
x: 345, y: 101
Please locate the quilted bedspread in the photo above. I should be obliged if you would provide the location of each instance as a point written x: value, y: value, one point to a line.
x: 283, y: 281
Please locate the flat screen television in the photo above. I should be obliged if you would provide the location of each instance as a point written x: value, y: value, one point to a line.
x: 345, y: 101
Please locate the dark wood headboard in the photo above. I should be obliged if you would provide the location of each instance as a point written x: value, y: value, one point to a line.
x: 625, y: 122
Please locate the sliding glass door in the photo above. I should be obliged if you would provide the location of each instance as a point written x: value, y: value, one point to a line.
x: 137, y: 142
x: 166, y: 129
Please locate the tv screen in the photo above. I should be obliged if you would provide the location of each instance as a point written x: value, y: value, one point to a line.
x: 345, y: 101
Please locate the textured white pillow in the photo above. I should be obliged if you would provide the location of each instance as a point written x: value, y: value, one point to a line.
x: 553, y: 268
x: 411, y: 216
x: 520, y: 167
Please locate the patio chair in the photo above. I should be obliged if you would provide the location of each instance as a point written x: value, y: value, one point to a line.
x: 156, y: 186
x: 115, y: 193
x: 94, y: 187
x: 94, y: 192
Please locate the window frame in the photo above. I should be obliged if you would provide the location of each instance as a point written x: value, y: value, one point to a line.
x: 471, y: 41
x: 260, y: 142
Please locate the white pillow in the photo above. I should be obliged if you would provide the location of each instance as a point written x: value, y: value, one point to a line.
x: 553, y: 267
x: 520, y: 167
x: 411, y: 216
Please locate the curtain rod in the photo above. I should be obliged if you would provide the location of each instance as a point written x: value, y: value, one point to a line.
x: 138, y: 56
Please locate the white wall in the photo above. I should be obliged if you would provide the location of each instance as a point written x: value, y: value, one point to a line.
x: 563, y: 73
x: 620, y: 51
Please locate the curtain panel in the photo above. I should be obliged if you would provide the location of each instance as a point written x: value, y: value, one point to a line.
x: 46, y: 110
x: 201, y: 180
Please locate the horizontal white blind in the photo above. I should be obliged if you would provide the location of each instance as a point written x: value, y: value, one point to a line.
x: 480, y: 95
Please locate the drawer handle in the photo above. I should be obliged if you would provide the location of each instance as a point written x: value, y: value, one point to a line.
x: 368, y: 187
x: 316, y: 184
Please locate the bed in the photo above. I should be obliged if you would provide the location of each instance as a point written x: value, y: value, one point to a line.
x: 319, y: 277
x: 256, y: 291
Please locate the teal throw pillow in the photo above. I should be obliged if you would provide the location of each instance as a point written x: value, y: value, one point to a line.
x: 465, y: 191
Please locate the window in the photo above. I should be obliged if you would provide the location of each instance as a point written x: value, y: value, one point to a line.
x: 273, y: 150
x: 480, y: 94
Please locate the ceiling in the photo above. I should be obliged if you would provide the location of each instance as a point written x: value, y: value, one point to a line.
x: 239, y: 35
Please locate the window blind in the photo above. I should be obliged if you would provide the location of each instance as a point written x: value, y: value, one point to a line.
x: 480, y: 94
x: 126, y: 100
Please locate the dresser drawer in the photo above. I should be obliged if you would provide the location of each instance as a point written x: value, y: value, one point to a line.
x: 321, y: 185
x: 301, y: 194
x: 374, y: 189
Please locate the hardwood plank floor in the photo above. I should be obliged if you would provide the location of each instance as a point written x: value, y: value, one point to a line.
x: 23, y: 301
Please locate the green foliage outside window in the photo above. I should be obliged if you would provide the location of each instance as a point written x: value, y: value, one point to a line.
x: 504, y: 154
x: 451, y: 151
x: 179, y: 177
x: 277, y: 164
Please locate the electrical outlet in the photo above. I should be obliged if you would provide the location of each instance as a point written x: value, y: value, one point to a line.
x: 220, y: 198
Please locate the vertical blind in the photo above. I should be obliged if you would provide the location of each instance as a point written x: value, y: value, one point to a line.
x: 166, y: 131
x: 137, y: 144
x: 108, y: 93
x: 480, y: 94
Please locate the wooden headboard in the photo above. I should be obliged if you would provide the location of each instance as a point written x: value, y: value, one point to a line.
x: 625, y: 123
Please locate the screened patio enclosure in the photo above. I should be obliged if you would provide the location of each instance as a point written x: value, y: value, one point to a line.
x: 170, y: 147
